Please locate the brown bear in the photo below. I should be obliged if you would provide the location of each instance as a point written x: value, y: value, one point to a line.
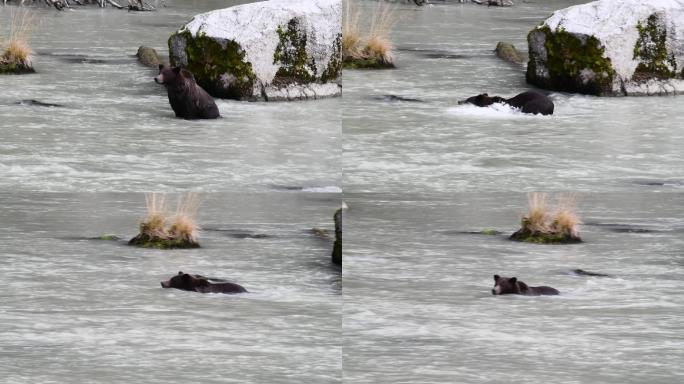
x: 505, y: 285
x: 188, y: 100
x: 528, y: 102
x: 201, y: 284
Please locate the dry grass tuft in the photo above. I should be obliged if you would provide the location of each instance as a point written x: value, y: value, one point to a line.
x: 375, y: 44
x: 537, y: 216
x: 154, y: 223
x: 351, y: 30
x: 184, y: 225
x: 562, y: 221
x: 16, y: 49
x: 565, y: 219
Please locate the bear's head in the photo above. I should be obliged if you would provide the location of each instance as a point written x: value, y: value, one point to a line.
x: 482, y: 100
x: 184, y: 281
x: 172, y: 76
x: 508, y: 285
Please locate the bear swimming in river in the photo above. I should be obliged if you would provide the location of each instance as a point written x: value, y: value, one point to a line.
x: 188, y: 100
x: 505, y: 285
x: 201, y: 284
x: 528, y: 102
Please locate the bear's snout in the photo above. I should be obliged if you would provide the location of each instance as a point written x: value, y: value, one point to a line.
x: 493, y: 291
x: 165, y: 284
x: 158, y: 80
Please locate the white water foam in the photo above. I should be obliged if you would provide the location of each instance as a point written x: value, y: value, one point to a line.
x: 327, y: 189
x: 494, y: 111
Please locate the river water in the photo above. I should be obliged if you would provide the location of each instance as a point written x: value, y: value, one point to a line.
x: 80, y: 310
x: 423, y: 178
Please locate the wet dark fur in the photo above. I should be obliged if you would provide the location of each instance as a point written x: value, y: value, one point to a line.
x: 188, y: 100
x: 198, y: 283
x: 513, y: 286
x: 528, y: 102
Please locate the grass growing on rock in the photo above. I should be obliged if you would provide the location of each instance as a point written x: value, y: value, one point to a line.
x: 16, y: 53
x: 544, y: 224
x: 160, y: 229
x: 372, y: 47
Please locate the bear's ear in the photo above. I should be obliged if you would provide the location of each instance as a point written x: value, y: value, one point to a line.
x: 161, y: 66
x: 180, y: 272
x: 496, y: 277
x: 484, y: 94
x: 187, y: 74
x: 186, y: 279
x: 512, y: 280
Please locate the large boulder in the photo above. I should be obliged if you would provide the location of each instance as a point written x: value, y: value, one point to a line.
x: 608, y: 47
x: 272, y: 50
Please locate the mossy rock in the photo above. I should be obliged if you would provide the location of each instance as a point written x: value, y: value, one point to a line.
x: 568, y: 62
x: 508, y: 52
x: 13, y: 68
x: 148, y: 57
x: 656, y: 62
x: 107, y: 237
x: 146, y: 241
x: 218, y: 65
x: 528, y: 236
x: 351, y: 63
x: 490, y: 232
x: 320, y: 232
x: 337, y: 246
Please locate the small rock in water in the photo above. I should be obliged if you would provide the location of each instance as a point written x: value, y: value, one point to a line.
x: 581, y: 272
x: 148, y: 57
x: 36, y: 103
x: 507, y: 51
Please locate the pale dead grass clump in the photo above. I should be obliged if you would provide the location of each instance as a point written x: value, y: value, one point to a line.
x: 565, y: 218
x: 162, y: 229
x: 154, y: 223
x: 16, y: 51
x: 184, y: 225
x: 374, y: 43
x: 543, y: 223
x: 351, y: 30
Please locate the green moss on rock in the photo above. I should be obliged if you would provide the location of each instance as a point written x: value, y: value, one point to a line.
x: 145, y: 241
x: 334, y: 68
x: 490, y: 232
x: 290, y: 53
x: 107, y: 237
x: 10, y: 67
x: 528, y: 236
x: 651, y: 50
x: 219, y: 66
x: 352, y: 63
x: 574, y: 63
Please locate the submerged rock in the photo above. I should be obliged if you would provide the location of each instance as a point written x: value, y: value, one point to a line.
x: 272, y: 50
x: 607, y: 47
x: 107, y: 237
x: 367, y: 63
x: 337, y: 246
x: 148, y: 57
x: 145, y: 240
x: 507, y: 51
x: 544, y: 237
x: 10, y: 65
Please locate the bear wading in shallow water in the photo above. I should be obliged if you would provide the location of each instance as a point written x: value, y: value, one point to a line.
x: 528, y: 102
x: 188, y: 100
x: 506, y: 285
x: 201, y: 284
